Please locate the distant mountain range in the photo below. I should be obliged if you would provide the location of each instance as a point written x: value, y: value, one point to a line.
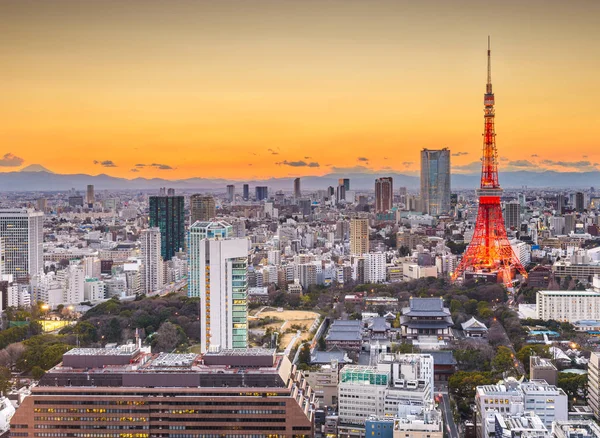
x: 37, y: 178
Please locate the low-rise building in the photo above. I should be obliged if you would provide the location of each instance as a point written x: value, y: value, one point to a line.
x: 569, y: 306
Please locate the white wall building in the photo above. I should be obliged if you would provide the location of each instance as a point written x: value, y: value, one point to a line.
x: 413, y: 271
x: 375, y: 267
x: 219, y: 276
x: 22, y: 234
x: 152, y: 265
x: 93, y: 290
x: 570, y: 306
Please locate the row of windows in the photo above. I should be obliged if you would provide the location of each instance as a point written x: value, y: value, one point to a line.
x: 85, y: 426
x: 166, y: 402
x: 128, y: 419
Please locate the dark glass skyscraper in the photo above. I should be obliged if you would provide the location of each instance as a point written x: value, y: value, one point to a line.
x: 435, y: 181
x: 167, y: 213
x: 246, y: 193
x: 262, y: 192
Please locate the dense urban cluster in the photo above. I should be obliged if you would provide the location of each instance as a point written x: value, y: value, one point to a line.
x: 342, y: 296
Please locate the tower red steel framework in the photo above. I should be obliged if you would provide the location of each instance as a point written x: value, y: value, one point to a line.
x: 490, y: 250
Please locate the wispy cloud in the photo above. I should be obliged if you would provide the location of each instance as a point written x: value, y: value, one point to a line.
x: 362, y: 159
x: 158, y: 166
x: 471, y: 167
x: 299, y: 163
x: 106, y: 163
x: 459, y: 154
x: 521, y: 163
x: 273, y: 152
x: 10, y: 160
x: 134, y: 170
x: 408, y: 163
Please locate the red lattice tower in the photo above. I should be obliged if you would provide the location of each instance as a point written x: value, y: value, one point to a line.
x: 490, y: 250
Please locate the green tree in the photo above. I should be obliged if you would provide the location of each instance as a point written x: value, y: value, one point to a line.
x: 37, y: 373
x: 531, y: 350
x: 304, y: 355
x: 503, y: 361
x: 5, y: 380
x: 403, y: 347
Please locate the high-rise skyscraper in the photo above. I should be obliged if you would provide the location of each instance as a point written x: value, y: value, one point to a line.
x: 202, y: 208
x: 297, y: 191
x: 22, y: 233
x: 230, y: 192
x: 90, y: 198
x: 246, y: 192
x: 512, y: 215
x: 384, y: 194
x: 579, y: 202
x: 344, y: 182
x: 168, y: 214
x: 560, y: 203
x: 219, y: 276
x: 340, y: 192
x: 262, y: 192
x: 435, y: 181
x: 152, y: 264
x: 359, y: 236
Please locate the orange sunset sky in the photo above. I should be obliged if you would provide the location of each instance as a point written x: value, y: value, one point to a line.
x: 255, y: 89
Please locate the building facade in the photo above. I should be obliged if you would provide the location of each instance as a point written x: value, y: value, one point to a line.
x: 22, y: 234
x: 202, y: 208
x: 251, y: 393
x: 435, y: 181
x: 568, y: 306
x: 359, y: 236
x: 168, y: 214
x: 219, y: 276
x: 152, y: 264
x: 384, y: 194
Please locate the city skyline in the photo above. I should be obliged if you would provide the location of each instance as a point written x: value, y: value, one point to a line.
x: 273, y: 89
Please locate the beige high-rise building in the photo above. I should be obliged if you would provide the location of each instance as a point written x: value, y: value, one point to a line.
x: 202, y: 208
x: 359, y: 236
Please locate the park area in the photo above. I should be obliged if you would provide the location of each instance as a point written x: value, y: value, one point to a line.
x: 287, y: 323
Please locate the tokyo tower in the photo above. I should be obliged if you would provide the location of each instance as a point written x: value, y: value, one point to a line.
x: 489, y: 250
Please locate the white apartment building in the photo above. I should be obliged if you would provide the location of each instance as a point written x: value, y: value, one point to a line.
x: 412, y: 271
x: 22, y: 233
x: 375, y: 267
x: 72, y: 281
x: 18, y: 296
x: 152, y: 264
x: 522, y: 250
x: 91, y: 267
x: 512, y: 398
x: 219, y: 276
x: 93, y: 290
x: 274, y: 257
x: 570, y: 306
x: 400, y: 384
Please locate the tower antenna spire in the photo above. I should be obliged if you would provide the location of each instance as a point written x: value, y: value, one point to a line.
x: 489, y: 69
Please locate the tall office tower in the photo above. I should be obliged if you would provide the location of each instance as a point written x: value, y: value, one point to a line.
x: 90, y: 197
x: 512, y: 214
x: 297, y: 191
x: 202, y: 208
x: 41, y: 204
x: 218, y: 275
x: 330, y: 192
x: 359, y: 236
x: 579, y: 202
x: 384, y: 194
x: 230, y: 192
x: 262, y: 192
x: 560, y: 203
x: 168, y: 214
x: 22, y: 234
x: 569, y: 223
x: 489, y: 251
x: 246, y: 192
x: 340, y: 193
x: 152, y: 264
x: 435, y: 181
x: 344, y: 182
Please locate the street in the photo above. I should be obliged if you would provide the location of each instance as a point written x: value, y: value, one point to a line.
x: 448, y: 417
